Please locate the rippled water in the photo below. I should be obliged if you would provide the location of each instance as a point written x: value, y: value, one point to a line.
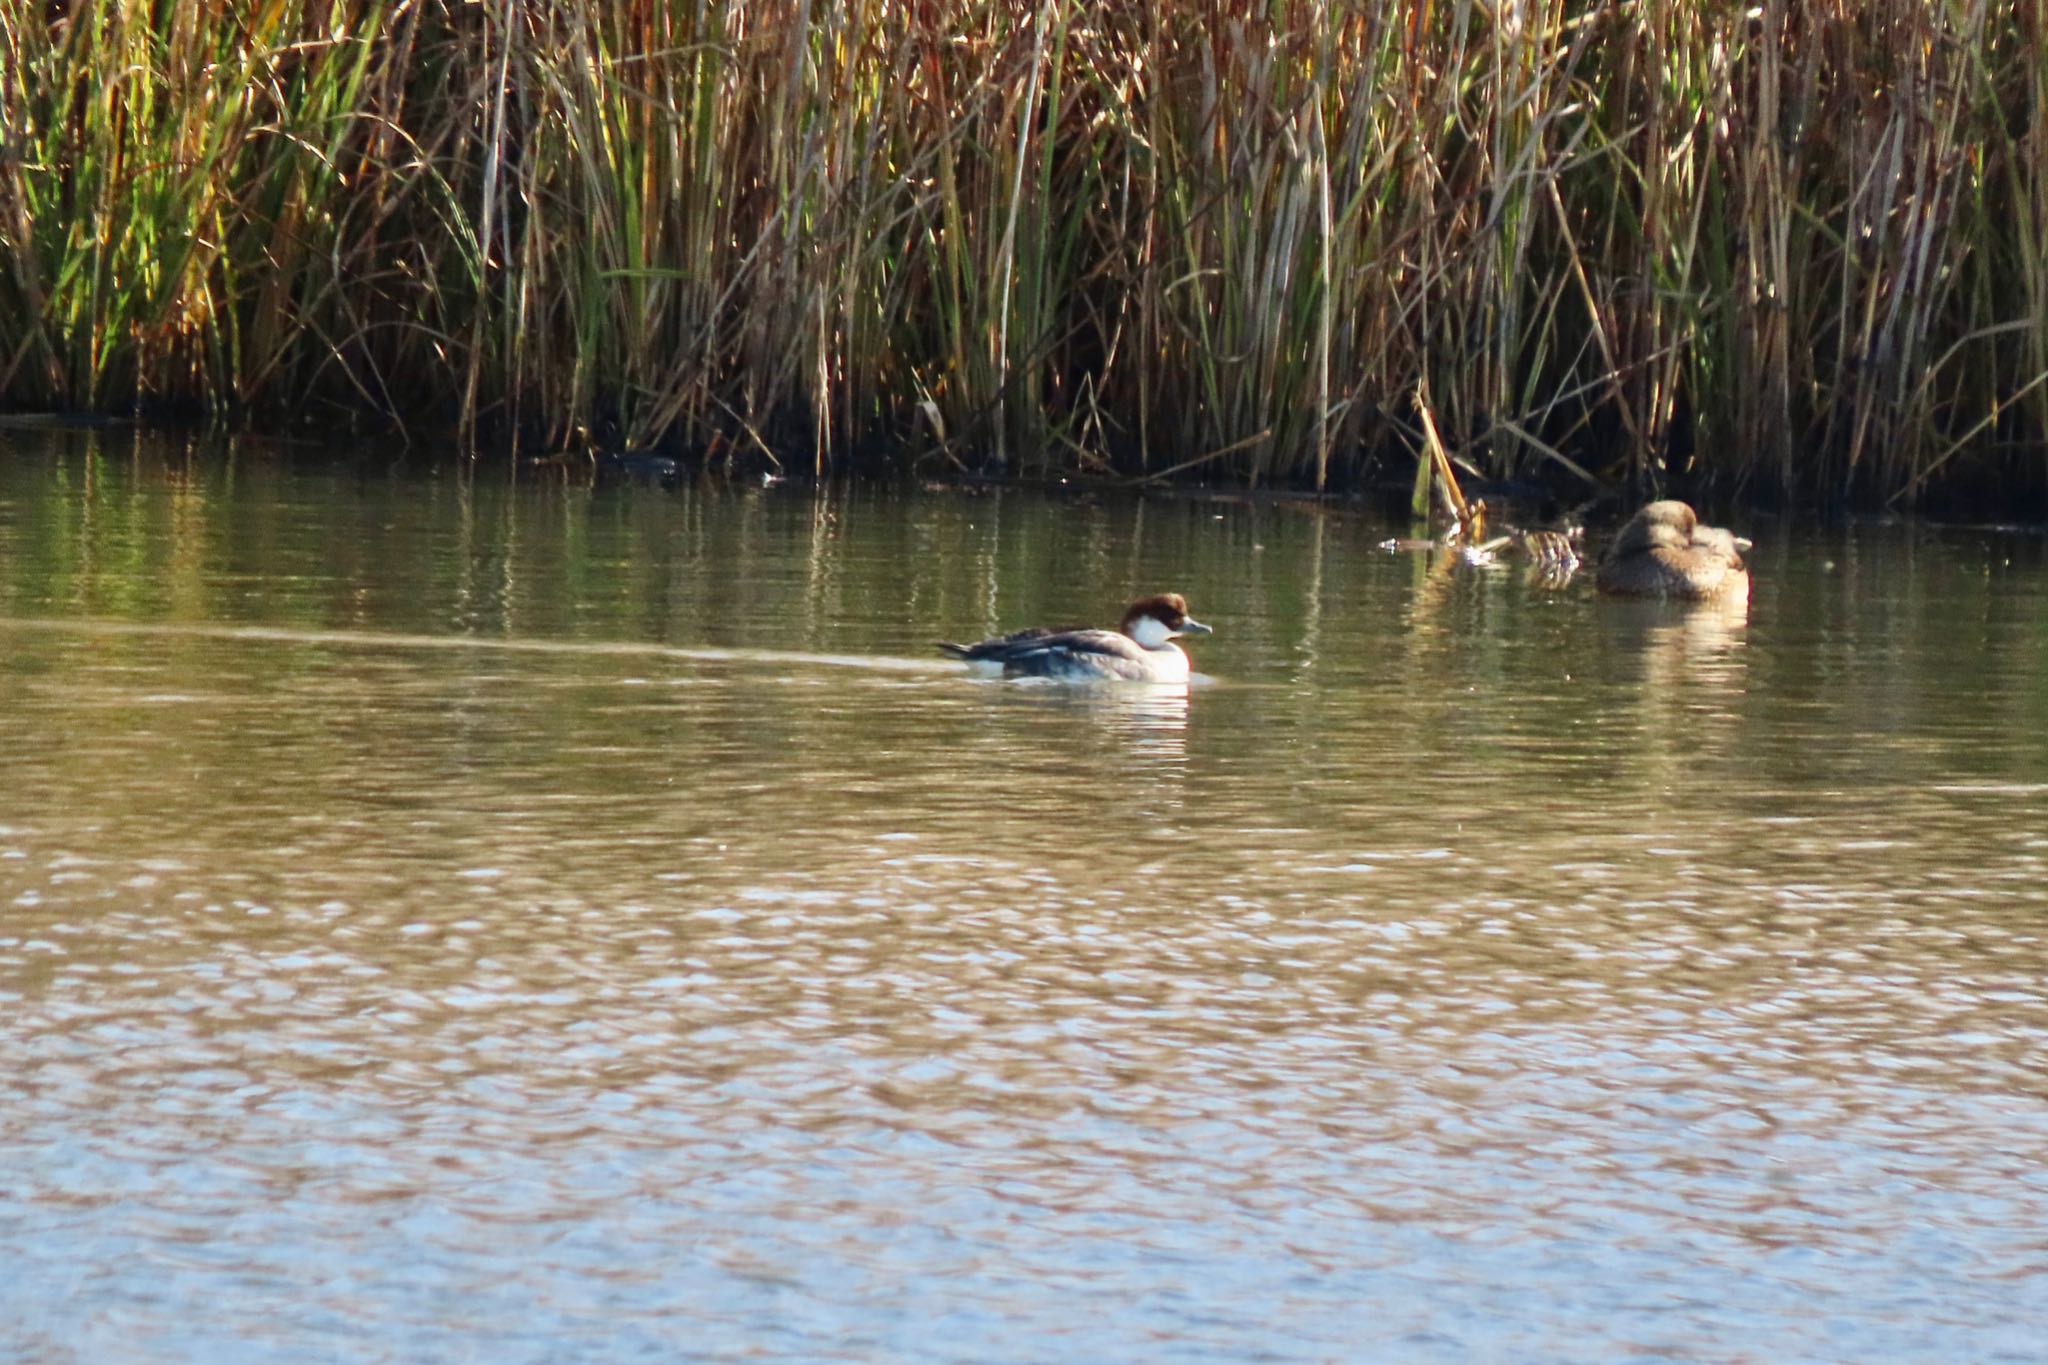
x: 451, y: 918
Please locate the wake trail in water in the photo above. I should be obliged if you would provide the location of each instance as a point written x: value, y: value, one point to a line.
x: 370, y: 639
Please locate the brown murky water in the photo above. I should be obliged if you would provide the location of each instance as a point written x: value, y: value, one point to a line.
x: 444, y: 918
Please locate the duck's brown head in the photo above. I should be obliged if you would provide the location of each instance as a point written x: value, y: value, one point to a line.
x: 1152, y: 621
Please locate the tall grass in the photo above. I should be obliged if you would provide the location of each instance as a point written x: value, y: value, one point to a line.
x: 1793, y: 250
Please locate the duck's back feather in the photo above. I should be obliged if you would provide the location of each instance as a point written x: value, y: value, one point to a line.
x: 1069, y: 653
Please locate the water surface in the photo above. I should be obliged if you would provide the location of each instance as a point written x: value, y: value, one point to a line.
x: 449, y: 916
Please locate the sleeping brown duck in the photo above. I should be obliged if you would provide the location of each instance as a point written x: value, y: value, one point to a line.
x: 1663, y: 551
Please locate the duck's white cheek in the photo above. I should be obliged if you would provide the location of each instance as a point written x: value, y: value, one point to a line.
x: 1150, y: 632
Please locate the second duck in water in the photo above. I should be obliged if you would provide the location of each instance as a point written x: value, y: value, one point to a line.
x: 1140, y: 649
x: 1663, y: 551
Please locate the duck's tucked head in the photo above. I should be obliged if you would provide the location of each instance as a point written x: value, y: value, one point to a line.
x: 1667, y: 524
x: 1152, y: 621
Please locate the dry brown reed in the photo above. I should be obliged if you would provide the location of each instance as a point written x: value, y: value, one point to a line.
x: 1793, y: 250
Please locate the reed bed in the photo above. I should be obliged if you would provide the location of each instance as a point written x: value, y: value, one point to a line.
x: 1786, y: 251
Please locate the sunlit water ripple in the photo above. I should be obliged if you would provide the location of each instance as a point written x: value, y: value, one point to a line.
x: 682, y: 966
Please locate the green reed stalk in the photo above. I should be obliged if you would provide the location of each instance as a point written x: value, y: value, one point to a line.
x: 1795, y: 249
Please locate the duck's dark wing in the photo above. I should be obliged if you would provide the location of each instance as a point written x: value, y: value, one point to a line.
x: 999, y: 647
x: 1058, y: 653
